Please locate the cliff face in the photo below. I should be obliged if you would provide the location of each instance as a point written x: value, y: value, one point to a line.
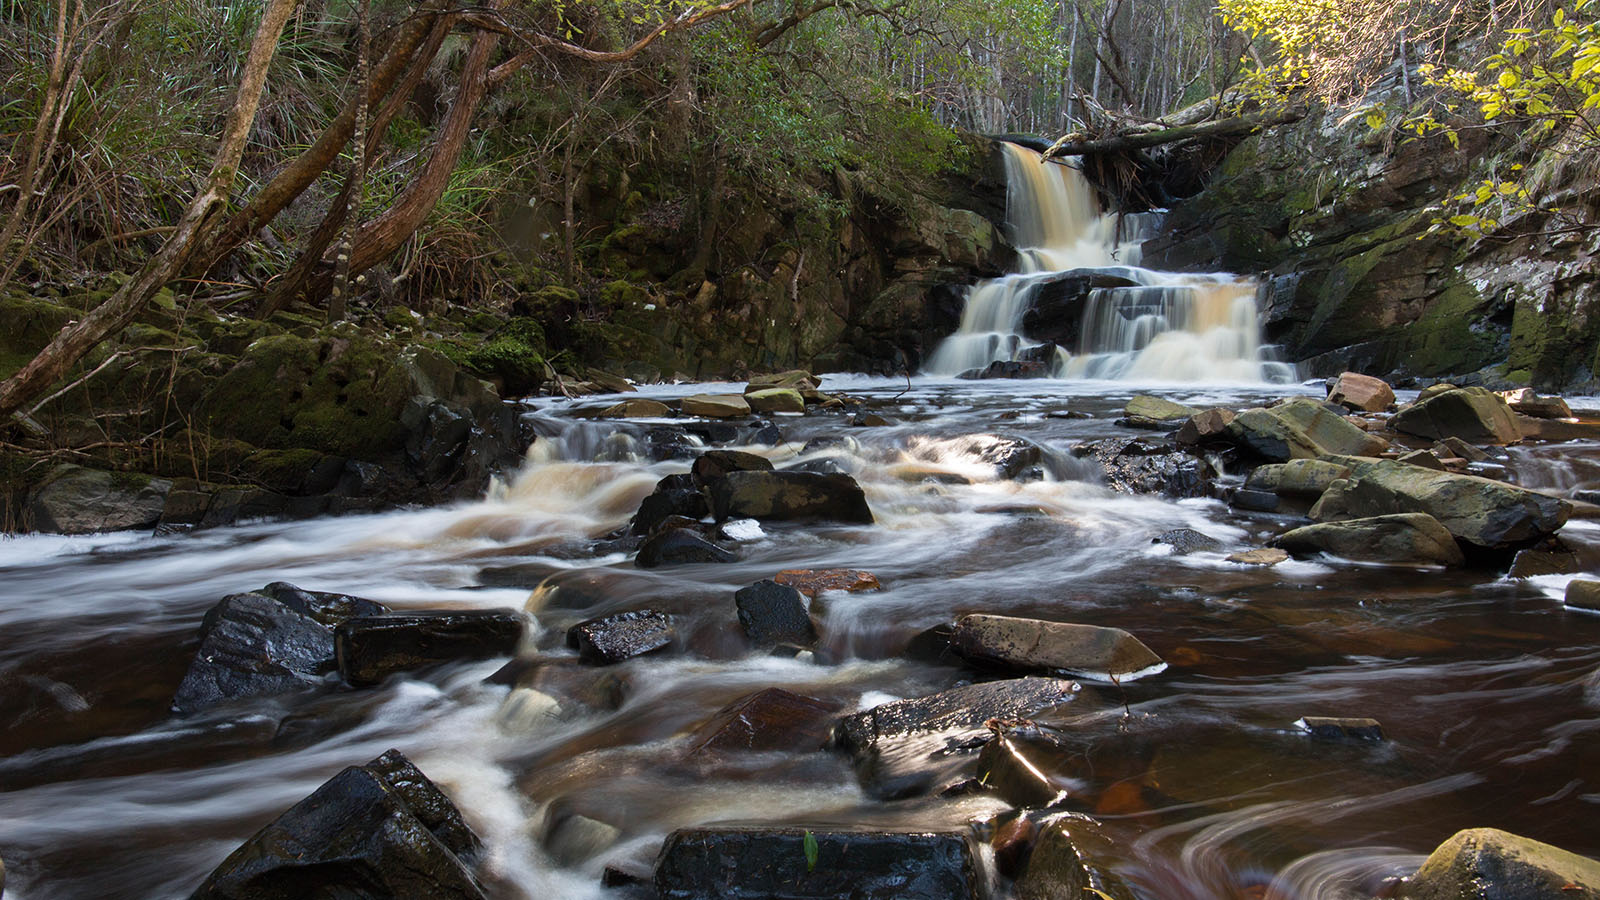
x: 870, y: 286
x: 1335, y: 216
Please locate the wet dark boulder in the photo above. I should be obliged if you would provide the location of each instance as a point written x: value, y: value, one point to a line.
x: 769, y: 720
x: 1489, y: 864
x: 371, y: 648
x: 666, y: 502
x: 669, y: 443
x: 612, y: 639
x: 789, y: 496
x: 1034, y: 645
x: 1008, y: 368
x: 1146, y: 466
x: 1060, y: 867
x: 797, y: 863
x: 679, y: 546
x: 713, y: 464
x: 773, y: 613
x: 1184, y: 541
x: 1055, y: 312
x: 272, y: 641
x: 381, y: 830
x: 910, y: 747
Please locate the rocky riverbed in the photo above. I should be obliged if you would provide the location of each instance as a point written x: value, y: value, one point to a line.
x: 915, y: 639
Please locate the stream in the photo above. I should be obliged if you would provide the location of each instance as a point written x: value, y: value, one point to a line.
x: 1484, y: 685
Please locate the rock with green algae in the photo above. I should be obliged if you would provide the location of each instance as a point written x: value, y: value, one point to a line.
x: 1408, y: 538
x: 773, y: 400
x: 1297, y: 477
x: 1477, y: 511
x: 1158, y: 410
x: 1490, y: 864
x: 1472, y: 414
x: 1300, y: 429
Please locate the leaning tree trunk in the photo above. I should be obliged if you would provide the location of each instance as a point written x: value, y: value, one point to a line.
x: 77, y: 339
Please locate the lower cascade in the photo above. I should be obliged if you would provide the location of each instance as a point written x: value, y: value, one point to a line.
x: 1079, y: 287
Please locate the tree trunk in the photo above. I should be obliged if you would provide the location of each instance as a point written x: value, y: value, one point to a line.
x: 75, y: 340
x: 1238, y: 126
x: 222, y: 235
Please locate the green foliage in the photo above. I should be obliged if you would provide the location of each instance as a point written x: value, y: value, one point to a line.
x: 1544, y: 84
x: 811, y: 851
x: 515, y: 354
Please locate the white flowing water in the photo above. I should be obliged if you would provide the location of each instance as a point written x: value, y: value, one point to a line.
x: 1160, y: 327
x: 1203, y: 787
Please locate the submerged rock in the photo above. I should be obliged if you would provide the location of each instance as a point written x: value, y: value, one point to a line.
x: 679, y: 546
x: 773, y: 613
x: 962, y: 710
x: 612, y: 639
x: 370, y: 648
x: 812, y: 582
x: 377, y: 831
x: 266, y: 642
x: 1471, y: 414
x: 766, y: 721
x: 1478, y: 511
x: 1333, y: 728
x: 790, y: 861
x: 1266, y: 556
x: 1415, y: 538
x: 789, y: 496
x: 1032, y: 645
x: 1361, y: 392
x: 1059, y: 870
x: 1489, y: 864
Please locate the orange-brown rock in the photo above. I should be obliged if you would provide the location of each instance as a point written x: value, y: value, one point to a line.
x: 812, y: 582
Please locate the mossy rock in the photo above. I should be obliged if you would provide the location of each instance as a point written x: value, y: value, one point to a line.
x: 30, y: 323
x: 341, y: 396
x: 514, y: 354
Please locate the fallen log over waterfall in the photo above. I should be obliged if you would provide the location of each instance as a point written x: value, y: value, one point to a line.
x: 1146, y: 164
x: 1157, y: 134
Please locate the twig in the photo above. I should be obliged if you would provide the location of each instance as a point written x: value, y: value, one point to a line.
x: 97, y: 370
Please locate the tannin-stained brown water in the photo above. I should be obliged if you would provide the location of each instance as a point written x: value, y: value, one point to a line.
x: 1485, y: 686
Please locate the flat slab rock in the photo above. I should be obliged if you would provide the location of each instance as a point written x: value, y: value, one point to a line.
x: 612, y: 639
x: 751, y: 862
x: 1489, y: 864
x: 958, y: 710
x: 1090, y: 651
x: 1406, y: 538
x: 382, y: 830
x: 812, y: 582
x: 767, y: 721
x: 371, y: 648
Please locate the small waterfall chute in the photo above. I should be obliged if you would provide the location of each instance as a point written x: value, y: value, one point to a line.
x: 1142, y: 324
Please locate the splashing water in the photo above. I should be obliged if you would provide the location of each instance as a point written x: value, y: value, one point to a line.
x: 1159, y: 326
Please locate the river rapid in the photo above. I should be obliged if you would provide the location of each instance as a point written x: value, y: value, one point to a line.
x: 1485, y: 686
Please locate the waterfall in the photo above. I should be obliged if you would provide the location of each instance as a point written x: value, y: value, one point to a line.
x: 1134, y: 323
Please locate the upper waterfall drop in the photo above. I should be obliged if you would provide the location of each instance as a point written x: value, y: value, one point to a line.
x: 1151, y: 326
